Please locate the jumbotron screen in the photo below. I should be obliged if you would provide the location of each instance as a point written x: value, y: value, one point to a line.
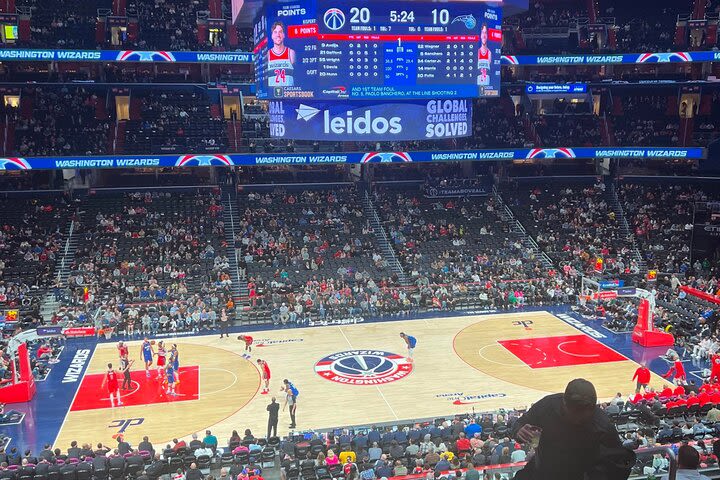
x: 358, y: 49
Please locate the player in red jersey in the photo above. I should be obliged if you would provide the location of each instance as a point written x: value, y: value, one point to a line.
x: 248, y: 344
x: 161, y: 358
x: 281, y: 58
x: 484, y: 57
x: 113, y: 387
x: 265, y: 371
x: 715, y: 370
x: 122, y: 349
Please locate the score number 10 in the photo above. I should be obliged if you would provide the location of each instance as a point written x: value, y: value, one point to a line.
x: 362, y: 15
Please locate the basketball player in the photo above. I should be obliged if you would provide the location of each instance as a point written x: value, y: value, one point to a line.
x: 147, y: 352
x: 111, y: 381
x: 281, y: 59
x: 410, y: 341
x: 161, y: 357
x: 248, y: 345
x: 265, y: 371
x: 291, y: 394
x: 170, y: 372
x: 175, y: 362
x: 125, y: 364
x: 122, y: 349
x: 484, y: 57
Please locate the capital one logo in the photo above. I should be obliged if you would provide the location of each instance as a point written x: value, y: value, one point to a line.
x: 364, y: 367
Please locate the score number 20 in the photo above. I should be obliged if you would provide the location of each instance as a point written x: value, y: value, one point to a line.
x: 362, y: 15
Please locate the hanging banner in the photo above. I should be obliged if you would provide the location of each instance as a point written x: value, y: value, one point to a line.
x: 232, y: 159
x: 155, y: 56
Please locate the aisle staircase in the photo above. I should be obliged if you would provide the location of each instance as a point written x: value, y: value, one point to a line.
x: 63, y: 262
x: 614, y: 201
x: 231, y: 218
x: 388, y: 252
x: 517, y: 228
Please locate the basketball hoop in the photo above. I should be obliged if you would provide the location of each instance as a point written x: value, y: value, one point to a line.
x: 108, y: 332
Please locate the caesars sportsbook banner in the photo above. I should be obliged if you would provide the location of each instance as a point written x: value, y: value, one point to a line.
x: 359, y: 121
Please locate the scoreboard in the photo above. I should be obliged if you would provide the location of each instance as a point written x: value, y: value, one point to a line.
x: 359, y: 49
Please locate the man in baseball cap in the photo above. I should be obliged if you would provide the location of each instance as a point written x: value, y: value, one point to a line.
x: 573, y: 436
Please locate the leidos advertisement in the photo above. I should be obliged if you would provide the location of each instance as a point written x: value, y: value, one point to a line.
x: 358, y: 121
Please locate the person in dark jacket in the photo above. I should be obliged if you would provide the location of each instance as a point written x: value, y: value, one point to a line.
x: 100, y: 464
x: 74, y: 450
x: 575, y: 437
x: 123, y: 447
x: 193, y: 473
x: 47, y: 453
x: 146, y: 446
x: 116, y: 461
x: 156, y: 468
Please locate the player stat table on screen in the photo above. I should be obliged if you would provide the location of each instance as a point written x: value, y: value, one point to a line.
x: 372, y: 49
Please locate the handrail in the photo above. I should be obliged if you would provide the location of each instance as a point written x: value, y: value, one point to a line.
x: 117, y: 123
x: 520, y: 227
x: 67, y: 247
x: 672, y: 471
x: 5, y: 138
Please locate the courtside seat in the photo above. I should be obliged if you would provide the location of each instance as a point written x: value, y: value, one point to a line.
x: 226, y: 459
x: 268, y: 457
x: 175, y: 463
x: 203, y: 464
x: 274, y: 442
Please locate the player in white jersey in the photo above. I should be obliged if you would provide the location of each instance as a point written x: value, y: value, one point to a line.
x: 281, y: 59
x: 484, y: 57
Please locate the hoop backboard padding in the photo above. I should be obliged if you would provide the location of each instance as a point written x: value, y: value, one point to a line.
x: 22, y: 386
x: 700, y: 294
x: 645, y: 333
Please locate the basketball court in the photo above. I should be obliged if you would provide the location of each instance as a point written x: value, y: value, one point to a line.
x: 348, y: 375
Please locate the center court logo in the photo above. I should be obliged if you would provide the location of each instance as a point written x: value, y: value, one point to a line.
x: 364, y: 367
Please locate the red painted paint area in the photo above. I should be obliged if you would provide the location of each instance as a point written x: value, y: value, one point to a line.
x: 144, y: 390
x: 562, y: 351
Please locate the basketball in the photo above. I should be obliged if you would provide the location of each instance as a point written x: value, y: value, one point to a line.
x: 152, y: 342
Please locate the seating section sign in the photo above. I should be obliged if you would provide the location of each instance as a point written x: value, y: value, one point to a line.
x: 360, y: 121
